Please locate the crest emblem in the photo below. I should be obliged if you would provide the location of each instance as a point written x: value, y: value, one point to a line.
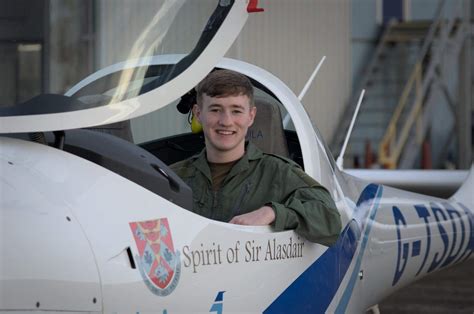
x: 159, y: 264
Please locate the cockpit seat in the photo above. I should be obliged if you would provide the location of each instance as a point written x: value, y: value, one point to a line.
x: 267, y: 130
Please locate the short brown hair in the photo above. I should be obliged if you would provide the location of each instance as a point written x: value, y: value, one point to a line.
x: 223, y: 83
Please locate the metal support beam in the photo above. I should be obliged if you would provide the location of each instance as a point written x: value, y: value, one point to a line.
x: 464, y: 123
x: 445, y: 90
x: 45, y: 80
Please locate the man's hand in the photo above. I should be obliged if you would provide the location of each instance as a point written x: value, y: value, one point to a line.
x: 260, y: 217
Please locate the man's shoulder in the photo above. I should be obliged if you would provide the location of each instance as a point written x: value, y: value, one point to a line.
x: 293, y: 169
x: 279, y: 160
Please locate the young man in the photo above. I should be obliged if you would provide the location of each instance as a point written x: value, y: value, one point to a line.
x: 234, y: 181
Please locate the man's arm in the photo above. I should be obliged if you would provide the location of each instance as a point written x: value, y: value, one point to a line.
x: 308, y: 209
x: 261, y: 217
x: 311, y: 212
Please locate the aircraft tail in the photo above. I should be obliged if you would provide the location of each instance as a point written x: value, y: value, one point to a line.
x: 465, y: 194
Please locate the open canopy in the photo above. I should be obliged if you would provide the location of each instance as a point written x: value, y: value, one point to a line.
x: 134, y: 90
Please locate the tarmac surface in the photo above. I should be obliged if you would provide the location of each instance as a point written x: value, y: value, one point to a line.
x: 448, y: 291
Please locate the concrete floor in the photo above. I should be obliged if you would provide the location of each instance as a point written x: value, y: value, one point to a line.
x: 449, y: 291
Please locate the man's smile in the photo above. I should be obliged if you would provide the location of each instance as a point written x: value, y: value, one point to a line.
x: 225, y: 132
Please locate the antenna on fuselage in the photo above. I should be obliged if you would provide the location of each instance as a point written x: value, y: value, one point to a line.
x: 340, y: 159
x: 286, y: 120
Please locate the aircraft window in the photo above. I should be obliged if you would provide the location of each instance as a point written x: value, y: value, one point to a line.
x: 135, y: 79
x: 132, y: 87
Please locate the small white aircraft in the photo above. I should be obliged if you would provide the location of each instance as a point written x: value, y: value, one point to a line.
x: 93, y: 223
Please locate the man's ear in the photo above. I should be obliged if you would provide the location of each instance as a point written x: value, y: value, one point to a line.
x: 253, y: 113
x: 197, y: 112
x: 196, y: 126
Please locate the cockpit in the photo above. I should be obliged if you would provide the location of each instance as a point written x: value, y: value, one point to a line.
x: 125, y: 115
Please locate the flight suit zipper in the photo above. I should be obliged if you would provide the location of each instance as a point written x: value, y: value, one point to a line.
x: 214, y: 199
x: 214, y: 203
x: 238, y: 204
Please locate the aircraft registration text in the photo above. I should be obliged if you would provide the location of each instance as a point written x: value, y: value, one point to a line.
x: 444, y: 242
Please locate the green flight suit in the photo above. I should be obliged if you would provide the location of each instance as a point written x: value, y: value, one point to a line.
x: 259, y: 179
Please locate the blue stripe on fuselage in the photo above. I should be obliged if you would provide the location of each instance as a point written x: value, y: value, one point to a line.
x: 315, y: 288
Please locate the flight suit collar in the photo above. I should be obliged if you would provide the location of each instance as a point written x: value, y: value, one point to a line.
x: 251, y: 153
x: 201, y: 164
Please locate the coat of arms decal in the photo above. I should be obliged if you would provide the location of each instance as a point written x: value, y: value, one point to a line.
x: 159, y: 264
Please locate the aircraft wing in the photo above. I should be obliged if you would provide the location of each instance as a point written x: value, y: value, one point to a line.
x: 439, y: 183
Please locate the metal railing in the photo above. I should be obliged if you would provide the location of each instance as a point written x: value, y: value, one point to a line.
x: 395, y: 138
x: 366, y: 77
x: 392, y: 143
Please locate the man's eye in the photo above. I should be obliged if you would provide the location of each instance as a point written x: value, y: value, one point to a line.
x: 215, y: 110
x: 236, y: 112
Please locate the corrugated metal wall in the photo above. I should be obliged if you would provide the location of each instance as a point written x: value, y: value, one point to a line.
x: 288, y: 39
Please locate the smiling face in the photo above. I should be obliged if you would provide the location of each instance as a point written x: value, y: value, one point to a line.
x: 225, y: 121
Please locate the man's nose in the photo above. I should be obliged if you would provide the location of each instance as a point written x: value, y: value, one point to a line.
x: 225, y: 118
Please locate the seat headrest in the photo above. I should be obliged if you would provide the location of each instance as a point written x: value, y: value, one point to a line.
x: 267, y: 130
